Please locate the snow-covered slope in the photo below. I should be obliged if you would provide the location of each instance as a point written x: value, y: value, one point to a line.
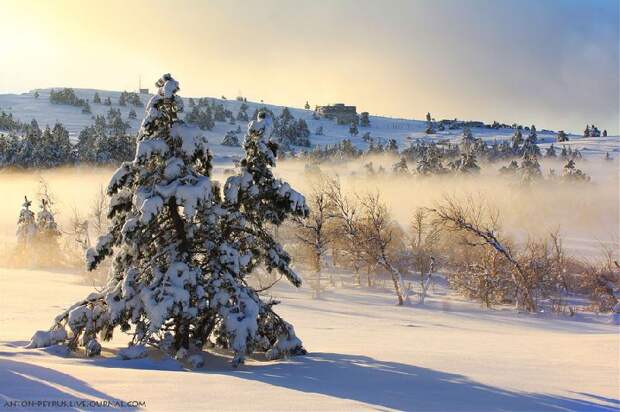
x: 25, y: 107
x: 365, y: 353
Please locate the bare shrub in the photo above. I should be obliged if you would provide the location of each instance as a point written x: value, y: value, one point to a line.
x: 481, y: 223
x: 486, y: 278
x: 600, y: 281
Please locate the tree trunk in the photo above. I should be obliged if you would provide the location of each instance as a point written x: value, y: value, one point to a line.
x: 181, y: 334
x: 334, y: 256
x: 181, y: 328
x: 317, y: 266
x: 179, y: 225
x: 423, y: 286
x: 397, y: 280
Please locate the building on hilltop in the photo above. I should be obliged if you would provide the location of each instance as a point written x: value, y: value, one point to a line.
x: 141, y: 90
x: 339, y: 112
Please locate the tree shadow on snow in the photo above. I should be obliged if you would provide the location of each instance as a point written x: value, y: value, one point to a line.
x: 358, y: 378
x: 24, y: 381
x: 404, y: 387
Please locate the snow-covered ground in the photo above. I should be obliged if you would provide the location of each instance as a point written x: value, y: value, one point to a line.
x: 365, y: 353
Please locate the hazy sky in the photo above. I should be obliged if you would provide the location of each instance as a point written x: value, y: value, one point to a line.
x: 549, y: 62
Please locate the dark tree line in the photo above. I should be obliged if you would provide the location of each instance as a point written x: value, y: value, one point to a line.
x: 104, y: 142
x: 131, y: 98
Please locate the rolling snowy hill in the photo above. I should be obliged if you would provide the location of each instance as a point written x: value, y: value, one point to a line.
x: 26, y: 107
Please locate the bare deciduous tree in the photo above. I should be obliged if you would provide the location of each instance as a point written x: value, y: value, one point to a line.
x: 423, y: 244
x: 379, y: 238
x: 99, y: 213
x: 313, y: 231
x: 348, y: 229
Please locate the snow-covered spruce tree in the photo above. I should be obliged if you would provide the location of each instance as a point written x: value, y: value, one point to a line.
x: 467, y: 164
x: 392, y: 146
x: 155, y: 282
x: 571, y: 173
x: 517, y: 140
x: 430, y: 163
x: 181, y: 253
x: 86, y: 108
x: 46, y: 241
x: 401, y: 167
x: 532, y: 137
x: 46, y: 223
x: 353, y: 131
x: 364, y: 119
x: 550, y: 152
x: 562, y: 137
x: 59, y: 148
x: 115, y: 148
x: 26, y: 227
x: 46, y: 244
x: 468, y: 140
x: 530, y: 169
x: 230, y: 139
x: 256, y: 202
x: 430, y: 129
x: 242, y: 115
x: 511, y: 169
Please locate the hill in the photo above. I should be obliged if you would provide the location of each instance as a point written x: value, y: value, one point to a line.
x: 25, y: 107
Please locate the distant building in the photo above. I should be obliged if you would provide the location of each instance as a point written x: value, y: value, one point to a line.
x: 143, y: 91
x: 339, y: 112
